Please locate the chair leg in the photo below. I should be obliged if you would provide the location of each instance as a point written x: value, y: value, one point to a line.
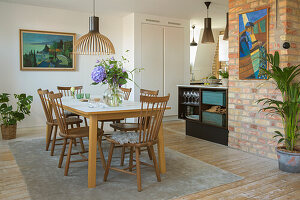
x: 101, y: 153
x: 68, y: 158
x: 62, y: 154
x: 138, y: 169
x: 131, y: 159
x: 85, y: 122
x: 53, y: 141
x: 111, y: 150
x: 122, y: 156
x: 82, y: 145
x: 155, y: 163
x: 49, y: 137
x: 149, y: 153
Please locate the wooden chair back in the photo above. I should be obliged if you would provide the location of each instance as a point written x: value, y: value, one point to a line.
x: 57, y: 106
x: 66, y: 90
x: 149, y: 93
x: 126, y: 92
x: 152, y: 112
x: 44, y: 96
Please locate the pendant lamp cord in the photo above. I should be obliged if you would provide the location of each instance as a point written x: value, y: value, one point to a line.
x: 94, y: 7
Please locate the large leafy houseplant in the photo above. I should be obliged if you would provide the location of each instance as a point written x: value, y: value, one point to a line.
x: 10, y: 117
x: 289, y: 107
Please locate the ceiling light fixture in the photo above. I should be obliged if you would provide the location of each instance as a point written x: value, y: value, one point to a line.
x: 226, y: 29
x: 94, y: 43
x: 207, y: 34
x: 193, y: 43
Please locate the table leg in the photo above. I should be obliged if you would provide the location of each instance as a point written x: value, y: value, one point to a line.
x: 161, y: 151
x: 92, y: 151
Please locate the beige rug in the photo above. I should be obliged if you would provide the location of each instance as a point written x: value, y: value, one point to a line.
x: 185, y: 175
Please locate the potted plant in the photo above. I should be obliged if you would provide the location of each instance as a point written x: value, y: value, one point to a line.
x: 224, y: 74
x: 10, y: 117
x: 288, y: 109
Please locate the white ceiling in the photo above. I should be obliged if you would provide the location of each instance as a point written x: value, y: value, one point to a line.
x: 193, y: 10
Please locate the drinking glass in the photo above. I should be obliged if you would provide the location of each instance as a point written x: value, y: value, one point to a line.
x: 188, y: 95
x: 78, y: 96
x: 87, y: 95
x: 184, y: 97
x: 81, y: 95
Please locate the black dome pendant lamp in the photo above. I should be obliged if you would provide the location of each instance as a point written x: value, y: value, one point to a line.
x: 193, y: 43
x: 207, y: 34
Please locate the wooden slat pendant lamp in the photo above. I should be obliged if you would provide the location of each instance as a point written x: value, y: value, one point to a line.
x: 94, y: 43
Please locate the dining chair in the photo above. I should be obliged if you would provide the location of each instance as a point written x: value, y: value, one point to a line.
x: 126, y: 92
x: 133, y: 126
x: 71, y: 134
x: 66, y: 91
x: 152, y: 112
x: 52, y: 123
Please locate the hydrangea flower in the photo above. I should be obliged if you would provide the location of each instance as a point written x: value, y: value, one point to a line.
x: 98, y: 74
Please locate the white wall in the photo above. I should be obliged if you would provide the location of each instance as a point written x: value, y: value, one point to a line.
x: 205, y: 56
x: 12, y: 80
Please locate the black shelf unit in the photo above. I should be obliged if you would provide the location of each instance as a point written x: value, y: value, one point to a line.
x: 196, y: 127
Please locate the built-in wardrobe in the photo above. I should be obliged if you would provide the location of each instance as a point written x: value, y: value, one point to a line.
x: 163, y: 60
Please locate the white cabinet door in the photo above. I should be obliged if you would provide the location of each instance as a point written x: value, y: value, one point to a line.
x: 173, y: 65
x: 152, y: 57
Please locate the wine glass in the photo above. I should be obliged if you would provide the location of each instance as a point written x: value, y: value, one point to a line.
x: 188, y: 95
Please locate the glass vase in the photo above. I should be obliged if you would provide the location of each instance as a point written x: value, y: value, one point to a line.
x: 113, y: 96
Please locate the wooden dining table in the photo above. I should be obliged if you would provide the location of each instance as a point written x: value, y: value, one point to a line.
x: 99, y: 111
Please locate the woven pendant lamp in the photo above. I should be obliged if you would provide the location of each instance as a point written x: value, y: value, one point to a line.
x: 207, y: 34
x: 94, y: 43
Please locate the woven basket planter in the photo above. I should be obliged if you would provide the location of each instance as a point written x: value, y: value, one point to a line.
x: 9, y: 132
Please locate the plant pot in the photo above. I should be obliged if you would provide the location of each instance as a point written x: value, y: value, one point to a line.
x: 225, y: 82
x: 288, y: 161
x: 8, y: 132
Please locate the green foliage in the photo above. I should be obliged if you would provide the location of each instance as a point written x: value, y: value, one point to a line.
x: 212, y: 77
x: 289, y: 107
x: 224, y: 74
x: 10, y: 117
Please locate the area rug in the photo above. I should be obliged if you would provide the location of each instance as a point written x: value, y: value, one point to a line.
x: 185, y: 175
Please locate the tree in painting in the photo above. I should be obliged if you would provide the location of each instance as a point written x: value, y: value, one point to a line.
x: 41, y: 50
x: 253, y: 44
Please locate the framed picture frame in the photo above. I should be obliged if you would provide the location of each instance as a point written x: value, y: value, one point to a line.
x: 253, y: 44
x: 47, y: 50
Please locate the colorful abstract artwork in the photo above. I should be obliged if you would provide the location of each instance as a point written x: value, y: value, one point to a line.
x: 253, y: 44
x: 43, y: 50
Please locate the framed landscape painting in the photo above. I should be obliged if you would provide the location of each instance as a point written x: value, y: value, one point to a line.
x: 253, y: 44
x: 45, y: 50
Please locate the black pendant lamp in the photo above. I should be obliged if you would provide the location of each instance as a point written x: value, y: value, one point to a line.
x: 193, y: 43
x: 94, y: 43
x: 207, y: 34
x: 226, y: 29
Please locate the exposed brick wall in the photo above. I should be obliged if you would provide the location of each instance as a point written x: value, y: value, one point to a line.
x: 250, y: 130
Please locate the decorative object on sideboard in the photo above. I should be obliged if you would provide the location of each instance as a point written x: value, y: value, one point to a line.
x: 286, y: 45
x: 207, y: 33
x: 225, y: 75
x: 193, y: 43
x: 288, y: 108
x: 94, y: 43
x: 46, y: 50
x: 226, y: 32
x: 253, y: 44
x: 10, y: 117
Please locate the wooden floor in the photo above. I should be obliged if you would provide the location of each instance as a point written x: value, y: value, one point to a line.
x: 262, y: 179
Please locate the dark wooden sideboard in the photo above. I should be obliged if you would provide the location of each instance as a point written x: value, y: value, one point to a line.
x: 205, y: 110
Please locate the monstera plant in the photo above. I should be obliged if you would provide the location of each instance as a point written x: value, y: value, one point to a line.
x: 288, y: 108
